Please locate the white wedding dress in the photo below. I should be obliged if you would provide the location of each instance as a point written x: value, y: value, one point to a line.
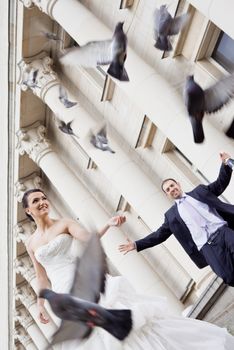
x: 153, y: 327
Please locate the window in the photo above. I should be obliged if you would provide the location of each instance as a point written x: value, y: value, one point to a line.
x: 91, y: 164
x: 125, y: 3
x: 108, y: 88
x: 224, y: 52
x: 146, y: 135
x: 123, y: 205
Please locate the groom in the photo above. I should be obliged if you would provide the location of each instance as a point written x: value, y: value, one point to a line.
x: 202, y: 223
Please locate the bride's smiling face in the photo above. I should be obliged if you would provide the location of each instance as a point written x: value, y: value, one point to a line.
x: 38, y: 205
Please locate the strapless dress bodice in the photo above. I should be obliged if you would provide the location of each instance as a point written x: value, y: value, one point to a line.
x: 58, y: 259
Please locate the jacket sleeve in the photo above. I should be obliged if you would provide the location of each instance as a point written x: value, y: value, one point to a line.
x: 154, y: 238
x: 219, y: 186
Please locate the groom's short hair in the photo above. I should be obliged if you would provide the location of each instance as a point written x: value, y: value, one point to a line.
x: 165, y: 180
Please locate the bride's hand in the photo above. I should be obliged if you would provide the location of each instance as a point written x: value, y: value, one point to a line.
x: 43, y: 316
x: 116, y: 220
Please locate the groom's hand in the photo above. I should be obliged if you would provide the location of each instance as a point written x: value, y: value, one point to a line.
x: 125, y: 248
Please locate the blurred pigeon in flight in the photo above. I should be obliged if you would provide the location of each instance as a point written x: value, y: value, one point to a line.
x: 31, y: 80
x: 79, y: 310
x: 51, y: 36
x: 66, y: 128
x: 100, y: 141
x: 97, y: 53
x: 166, y: 26
x: 199, y: 101
x: 230, y: 130
x: 63, y: 97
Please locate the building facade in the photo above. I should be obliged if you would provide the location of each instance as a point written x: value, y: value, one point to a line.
x: 147, y: 127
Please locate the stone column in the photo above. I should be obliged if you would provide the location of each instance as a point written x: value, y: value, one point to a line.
x: 24, y: 338
x: 28, y: 298
x: 26, y: 320
x: 147, y: 88
x: 33, y: 142
x: 118, y: 168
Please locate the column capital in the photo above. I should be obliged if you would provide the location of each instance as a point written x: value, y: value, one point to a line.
x: 23, y: 230
x: 44, y: 5
x: 24, y: 317
x: 24, y: 266
x: 24, y: 184
x: 25, y: 294
x: 33, y: 142
x: 45, y: 76
x: 21, y: 334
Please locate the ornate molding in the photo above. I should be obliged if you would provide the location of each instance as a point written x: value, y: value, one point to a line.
x: 24, y: 318
x: 23, y: 230
x: 22, y: 185
x: 45, y: 76
x: 44, y: 5
x: 33, y: 142
x: 22, y: 336
x: 24, y: 266
x: 26, y: 295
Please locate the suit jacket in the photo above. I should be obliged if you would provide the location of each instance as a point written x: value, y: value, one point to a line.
x: 173, y: 223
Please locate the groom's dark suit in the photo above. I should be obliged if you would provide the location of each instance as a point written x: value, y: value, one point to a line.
x: 173, y: 224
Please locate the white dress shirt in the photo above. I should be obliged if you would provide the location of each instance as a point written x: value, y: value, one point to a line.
x: 200, y: 219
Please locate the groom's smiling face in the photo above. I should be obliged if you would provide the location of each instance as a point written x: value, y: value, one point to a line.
x: 172, y: 189
x: 38, y: 204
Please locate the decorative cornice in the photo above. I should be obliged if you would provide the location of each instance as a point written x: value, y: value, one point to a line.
x: 23, y: 336
x: 22, y: 185
x: 33, y: 142
x: 45, y: 78
x: 24, y: 266
x: 23, y: 317
x: 26, y: 295
x: 44, y: 5
x: 23, y: 230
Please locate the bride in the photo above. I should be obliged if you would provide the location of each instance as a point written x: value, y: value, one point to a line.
x: 51, y: 250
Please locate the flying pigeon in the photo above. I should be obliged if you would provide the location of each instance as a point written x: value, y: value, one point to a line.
x: 166, y: 26
x: 97, y: 53
x: 66, y: 128
x: 230, y: 130
x: 63, y: 97
x: 100, y: 140
x: 210, y: 100
x: 79, y: 310
x: 31, y: 80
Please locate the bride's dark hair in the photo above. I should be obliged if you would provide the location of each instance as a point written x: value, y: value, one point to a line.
x: 25, y: 200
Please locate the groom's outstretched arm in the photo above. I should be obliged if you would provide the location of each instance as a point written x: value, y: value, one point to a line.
x: 151, y: 240
x: 154, y: 238
x: 224, y: 177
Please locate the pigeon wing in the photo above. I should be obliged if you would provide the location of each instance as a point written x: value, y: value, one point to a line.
x: 92, y: 54
x: 178, y: 24
x: 219, y: 94
x: 69, y: 330
x: 102, y: 131
x: 89, y: 279
x: 62, y: 92
x: 34, y: 75
x: 156, y: 19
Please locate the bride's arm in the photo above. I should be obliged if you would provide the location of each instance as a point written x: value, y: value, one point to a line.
x: 82, y: 234
x: 42, y: 282
x: 114, y: 221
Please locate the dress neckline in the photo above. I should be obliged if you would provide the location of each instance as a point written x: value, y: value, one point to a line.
x: 52, y: 240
